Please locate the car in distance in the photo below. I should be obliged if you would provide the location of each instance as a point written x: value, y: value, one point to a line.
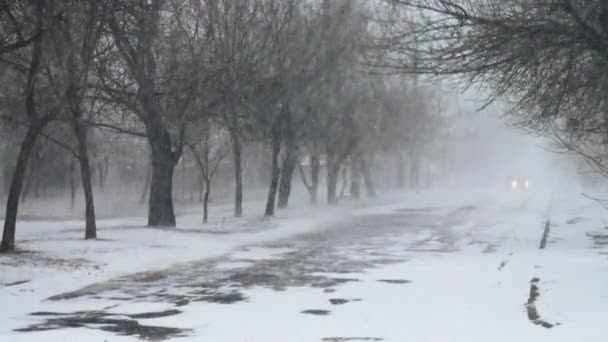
x: 520, y: 184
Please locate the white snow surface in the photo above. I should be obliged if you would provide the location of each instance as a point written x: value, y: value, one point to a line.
x: 476, y: 293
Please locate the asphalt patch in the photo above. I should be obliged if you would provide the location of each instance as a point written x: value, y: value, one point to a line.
x: 159, y: 314
x: 533, y: 315
x: 20, y: 282
x: 223, y: 298
x: 331, y: 282
x: 110, y: 322
x: 316, y: 312
x: 395, y: 281
x: 248, y: 279
x: 545, y: 237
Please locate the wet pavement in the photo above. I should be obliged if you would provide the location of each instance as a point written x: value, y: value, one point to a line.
x: 125, y: 325
x: 325, y: 260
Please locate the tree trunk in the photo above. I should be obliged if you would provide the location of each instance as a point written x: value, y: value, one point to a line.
x: 28, y: 179
x: 238, y: 173
x: 72, y: 183
x: 12, y: 202
x: 161, y: 188
x: 333, y: 170
x: 290, y: 160
x: 275, y: 173
x: 344, y: 182
x: 313, y: 186
x: 355, y: 178
x: 103, y: 167
x: 206, y: 202
x: 32, y: 179
x: 289, y: 167
x: 315, y: 168
x: 87, y: 186
x: 370, y: 187
x: 201, y: 188
x: 181, y: 175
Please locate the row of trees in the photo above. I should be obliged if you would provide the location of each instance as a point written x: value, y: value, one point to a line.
x: 199, y: 80
x: 546, y: 58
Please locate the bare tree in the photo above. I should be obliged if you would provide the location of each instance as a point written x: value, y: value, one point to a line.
x: 238, y: 46
x: 318, y: 46
x: 290, y: 160
x: 208, y: 153
x: 547, y: 57
x: 155, y: 46
x: 76, y: 41
x: 36, y: 118
x: 312, y: 184
x: 14, y: 33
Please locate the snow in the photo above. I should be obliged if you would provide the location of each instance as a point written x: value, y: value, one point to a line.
x: 475, y: 290
x: 58, y: 260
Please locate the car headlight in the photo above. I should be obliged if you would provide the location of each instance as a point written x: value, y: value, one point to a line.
x: 526, y: 184
x: 514, y: 184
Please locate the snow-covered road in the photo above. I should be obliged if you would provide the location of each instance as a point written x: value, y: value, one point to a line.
x: 425, y: 270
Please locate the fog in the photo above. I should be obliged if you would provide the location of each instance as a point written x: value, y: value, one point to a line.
x: 487, y: 149
x: 262, y: 101
x: 473, y: 150
x: 303, y: 171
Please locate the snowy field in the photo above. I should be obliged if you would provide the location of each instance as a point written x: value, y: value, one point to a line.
x: 417, y: 267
